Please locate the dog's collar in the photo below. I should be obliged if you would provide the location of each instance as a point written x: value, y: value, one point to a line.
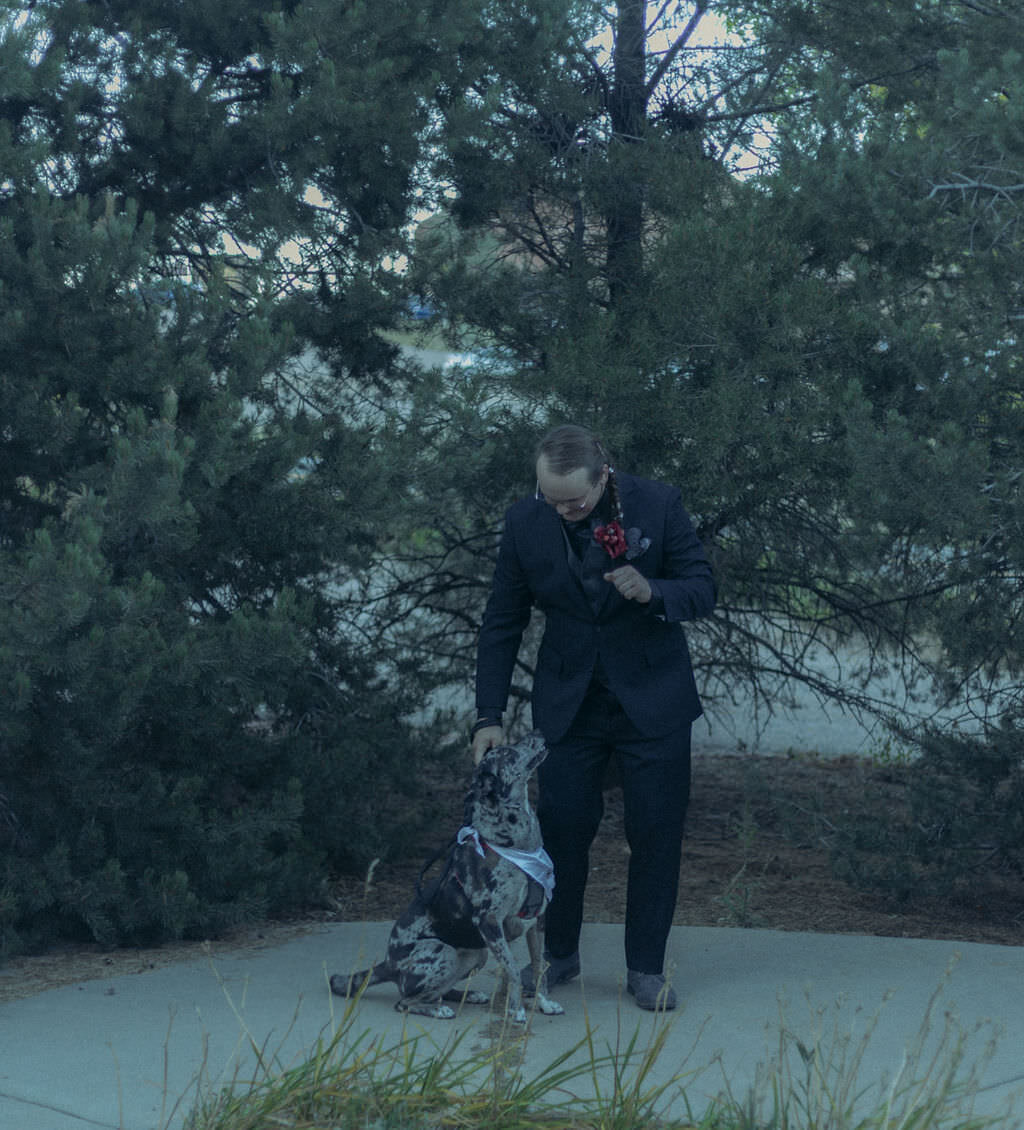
x: 537, y: 863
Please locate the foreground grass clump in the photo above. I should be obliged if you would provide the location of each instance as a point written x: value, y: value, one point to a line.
x: 358, y: 1081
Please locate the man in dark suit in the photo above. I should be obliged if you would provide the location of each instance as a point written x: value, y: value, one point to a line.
x: 614, y: 564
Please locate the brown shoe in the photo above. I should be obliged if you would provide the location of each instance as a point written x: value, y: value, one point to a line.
x: 651, y: 991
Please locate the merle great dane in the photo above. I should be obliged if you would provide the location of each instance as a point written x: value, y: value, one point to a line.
x: 495, y: 883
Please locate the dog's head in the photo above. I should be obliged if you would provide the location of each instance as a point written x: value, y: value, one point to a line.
x: 497, y: 804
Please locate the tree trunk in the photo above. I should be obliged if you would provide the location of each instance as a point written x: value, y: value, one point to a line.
x: 629, y: 120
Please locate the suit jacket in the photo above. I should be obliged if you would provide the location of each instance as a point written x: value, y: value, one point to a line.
x: 641, y: 656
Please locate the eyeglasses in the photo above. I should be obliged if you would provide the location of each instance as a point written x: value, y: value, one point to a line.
x: 566, y: 505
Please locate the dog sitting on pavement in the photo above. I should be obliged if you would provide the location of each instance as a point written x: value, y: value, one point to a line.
x: 496, y: 882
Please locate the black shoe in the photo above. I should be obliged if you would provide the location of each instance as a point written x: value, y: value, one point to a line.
x: 651, y: 991
x: 559, y: 970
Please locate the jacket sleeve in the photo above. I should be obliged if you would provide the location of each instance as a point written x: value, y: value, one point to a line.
x: 506, y: 616
x: 685, y: 580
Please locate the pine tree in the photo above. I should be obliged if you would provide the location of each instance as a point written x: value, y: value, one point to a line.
x: 747, y: 264
x: 196, y: 204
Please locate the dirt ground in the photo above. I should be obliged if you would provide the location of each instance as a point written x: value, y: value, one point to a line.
x: 756, y: 855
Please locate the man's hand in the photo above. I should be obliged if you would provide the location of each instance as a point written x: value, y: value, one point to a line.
x: 631, y: 584
x: 485, y: 739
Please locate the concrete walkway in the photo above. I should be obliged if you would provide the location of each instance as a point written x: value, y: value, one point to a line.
x: 121, y: 1053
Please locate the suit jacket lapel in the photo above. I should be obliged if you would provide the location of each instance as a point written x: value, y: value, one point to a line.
x: 553, y: 542
x: 555, y: 539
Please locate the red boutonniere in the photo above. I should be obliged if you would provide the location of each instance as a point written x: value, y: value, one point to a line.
x: 612, y: 538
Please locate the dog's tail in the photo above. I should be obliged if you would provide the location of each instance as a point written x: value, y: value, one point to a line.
x: 349, y: 984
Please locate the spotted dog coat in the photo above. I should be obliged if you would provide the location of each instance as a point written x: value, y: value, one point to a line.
x: 481, y: 902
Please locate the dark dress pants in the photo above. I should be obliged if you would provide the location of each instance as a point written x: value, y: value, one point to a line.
x: 655, y: 776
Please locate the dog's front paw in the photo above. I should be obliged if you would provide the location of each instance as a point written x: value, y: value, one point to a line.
x: 474, y: 996
x: 435, y: 1011
x: 518, y: 1016
x: 548, y: 1006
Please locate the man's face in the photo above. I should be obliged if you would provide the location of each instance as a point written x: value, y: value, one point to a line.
x: 574, y: 496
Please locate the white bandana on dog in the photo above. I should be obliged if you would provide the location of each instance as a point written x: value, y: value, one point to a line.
x: 537, y: 863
